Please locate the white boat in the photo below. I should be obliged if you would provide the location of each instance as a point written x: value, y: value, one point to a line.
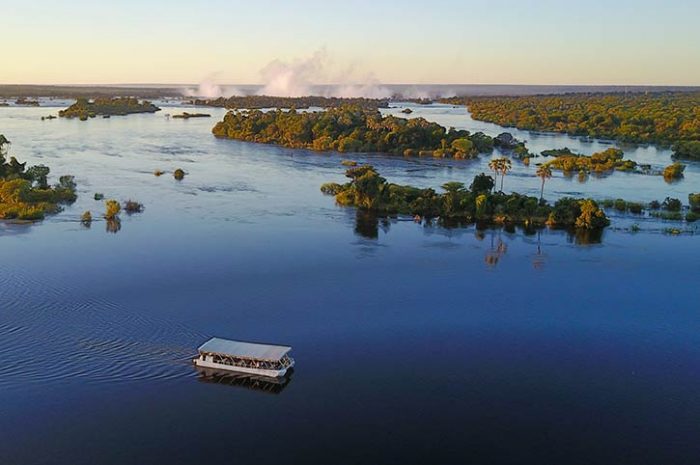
x: 245, y: 357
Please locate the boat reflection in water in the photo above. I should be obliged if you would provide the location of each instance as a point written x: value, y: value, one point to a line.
x: 256, y: 383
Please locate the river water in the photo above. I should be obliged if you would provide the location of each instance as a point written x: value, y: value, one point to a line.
x: 414, y: 343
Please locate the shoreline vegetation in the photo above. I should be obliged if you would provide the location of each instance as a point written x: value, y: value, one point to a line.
x: 25, y: 193
x: 374, y: 197
x: 667, y: 119
x: 370, y: 192
x: 258, y: 102
x: 85, y: 108
x: 352, y: 129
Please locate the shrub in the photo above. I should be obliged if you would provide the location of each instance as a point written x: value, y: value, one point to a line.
x: 86, y: 218
x: 694, y: 201
x: 331, y: 188
x: 158, y: 173
x: 674, y: 171
x: 654, y: 205
x: 99, y: 196
x: 692, y: 216
x: 635, y: 207
x: 482, y: 183
x: 179, y: 174
x: 131, y: 207
x: 620, y: 205
x: 348, y: 163
x: 671, y: 216
x: 591, y: 216
x: 672, y: 205
x: 112, y: 209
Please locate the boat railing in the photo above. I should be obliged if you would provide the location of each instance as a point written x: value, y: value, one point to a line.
x: 285, y: 362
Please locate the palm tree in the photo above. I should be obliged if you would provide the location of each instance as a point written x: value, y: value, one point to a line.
x: 544, y: 172
x: 495, y: 166
x: 505, y: 167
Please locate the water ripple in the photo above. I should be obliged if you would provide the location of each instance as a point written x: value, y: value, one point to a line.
x: 60, y: 340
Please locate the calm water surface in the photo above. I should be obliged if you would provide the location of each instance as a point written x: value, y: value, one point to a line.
x: 414, y: 344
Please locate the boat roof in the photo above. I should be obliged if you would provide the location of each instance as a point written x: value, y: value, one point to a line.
x: 244, y: 349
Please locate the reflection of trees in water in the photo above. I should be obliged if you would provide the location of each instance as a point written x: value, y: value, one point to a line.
x: 113, y: 225
x: 585, y: 236
x: 497, y: 250
x: 367, y: 224
x: 539, y: 258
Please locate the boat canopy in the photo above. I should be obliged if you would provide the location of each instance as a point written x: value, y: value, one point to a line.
x: 240, y: 349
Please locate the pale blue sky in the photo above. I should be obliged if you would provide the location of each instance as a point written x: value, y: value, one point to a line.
x: 409, y: 41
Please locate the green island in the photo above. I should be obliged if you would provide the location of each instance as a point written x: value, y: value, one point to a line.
x: 25, y: 193
x: 687, y: 150
x: 369, y: 191
x: 352, y: 129
x: 663, y: 118
x: 186, y: 115
x: 600, y: 162
x: 257, y: 102
x: 604, y: 162
x: 26, y: 102
x: 85, y: 108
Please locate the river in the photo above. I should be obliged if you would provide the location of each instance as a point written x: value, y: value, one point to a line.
x: 413, y: 343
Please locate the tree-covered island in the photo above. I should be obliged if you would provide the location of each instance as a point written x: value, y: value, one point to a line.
x: 85, y: 108
x: 25, y: 193
x: 352, y: 129
x: 663, y: 118
x: 478, y: 203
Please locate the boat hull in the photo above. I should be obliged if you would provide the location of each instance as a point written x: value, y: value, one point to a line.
x: 253, y: 371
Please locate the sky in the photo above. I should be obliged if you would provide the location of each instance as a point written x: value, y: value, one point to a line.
x: 409, y: 41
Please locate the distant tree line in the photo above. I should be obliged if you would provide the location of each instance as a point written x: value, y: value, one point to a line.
x: 663, y: 118
x: 257, y: 102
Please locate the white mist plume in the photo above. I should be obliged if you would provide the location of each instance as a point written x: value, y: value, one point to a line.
x: 209, y: 88
x: 315, y: 75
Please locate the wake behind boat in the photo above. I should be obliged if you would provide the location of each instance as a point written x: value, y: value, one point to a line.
x: 245, y: 357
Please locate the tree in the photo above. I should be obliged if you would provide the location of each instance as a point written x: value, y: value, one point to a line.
x: 451, y: 198
x: 591, y: 216
x: 505, y: 167
x: 495, y: 166
x: 38, y: 174
x: 674, y: 171
x: 482, y: 183
x: 453, y: 187
x: 500, y: 166
x: 544, y: 172
x: 112, y: 209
